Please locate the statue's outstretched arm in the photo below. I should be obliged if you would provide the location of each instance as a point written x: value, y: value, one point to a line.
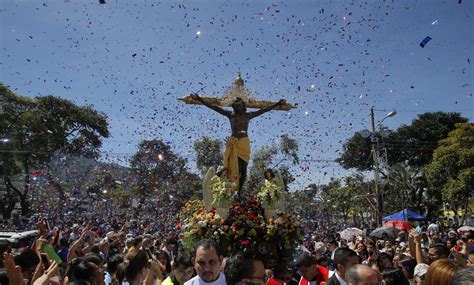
x: 215, y: 108
x: 266, y: 109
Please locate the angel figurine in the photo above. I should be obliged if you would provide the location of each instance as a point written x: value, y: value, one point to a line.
x: 272, y: 194
x: 218, y: 191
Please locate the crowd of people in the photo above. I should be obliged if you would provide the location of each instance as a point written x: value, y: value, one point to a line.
x: 137, y: 252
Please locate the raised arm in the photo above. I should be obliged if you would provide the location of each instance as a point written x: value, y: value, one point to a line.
x: 266, y: 109
x: 219, y: 110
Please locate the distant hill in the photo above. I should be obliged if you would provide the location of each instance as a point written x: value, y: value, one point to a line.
x: 77, y: 173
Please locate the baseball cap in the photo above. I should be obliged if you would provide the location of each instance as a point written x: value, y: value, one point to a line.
x: 421, y: 269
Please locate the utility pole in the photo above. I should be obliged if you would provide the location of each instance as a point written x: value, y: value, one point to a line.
x: 378, y: 193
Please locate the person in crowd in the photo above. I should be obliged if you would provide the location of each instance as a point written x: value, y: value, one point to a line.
x: 343, y: 259
x: 419, y: 273
x: 394, y: 276
x: 385, y: 260
x: 207, y: 263
x: 28, y: 260
x: 242, y: 269
x: 436, y: 251
x: 361, y: 274
x: 170, y: 248
x: 311, y: 272
x: 164, y: 260
x: 406, y: 264
x: 280, y: 276
x: 137, y: 269
x: 372, y: 253
x: 441, y: 271
x: 112, y: 265
x: 331, y: 245
x: 182, y: 270
x: 464, y: 276
x: 360, y: 247
x: 63, y: 249
x: 5, y: 247
x: 133, y: 244
x: 80, y: 271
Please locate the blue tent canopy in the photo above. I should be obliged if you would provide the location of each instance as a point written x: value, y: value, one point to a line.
x: 406, y: 215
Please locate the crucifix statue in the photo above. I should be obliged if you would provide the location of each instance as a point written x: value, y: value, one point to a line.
x: 237, y: 153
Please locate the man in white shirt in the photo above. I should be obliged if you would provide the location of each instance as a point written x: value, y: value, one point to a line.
x: 207, y: 263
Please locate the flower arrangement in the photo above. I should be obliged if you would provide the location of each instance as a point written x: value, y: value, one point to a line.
x: 284, y: 230
x: 201, y: 225
x: 245, y: 229
x: 269, y: 193
x: 188, y: 210
x: 245, y: 226
x: 222, y: 189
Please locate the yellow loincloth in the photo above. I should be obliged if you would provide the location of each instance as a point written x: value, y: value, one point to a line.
x: 236, y: 148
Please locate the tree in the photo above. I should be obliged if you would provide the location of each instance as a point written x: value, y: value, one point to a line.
x: 306, y: 204
x: 208, y: 154
x: 38, y: 128
x: 271, y: 157
x: 156, y: 166
x: 417, y: 142
x: 406, y: 187
x: 357, y: 153
x: 414, y: 143
x: 162, y: 179
x: 347, y: 199
x: 452, y: 170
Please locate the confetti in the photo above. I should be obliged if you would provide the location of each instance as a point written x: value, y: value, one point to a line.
x: 425, y: 41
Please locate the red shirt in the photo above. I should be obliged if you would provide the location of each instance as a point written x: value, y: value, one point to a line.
x: 323, y: 275
x: 273, y: 281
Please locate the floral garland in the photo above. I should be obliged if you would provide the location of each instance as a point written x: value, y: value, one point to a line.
x: 201, y: 225
x: 189, y: 209
x: 245, y: 227
x: 222, y: 189
x: 285, y: 230
x: 269, y: 193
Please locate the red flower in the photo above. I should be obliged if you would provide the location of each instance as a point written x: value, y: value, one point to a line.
x: 244, y: 242
x: 250, y: 216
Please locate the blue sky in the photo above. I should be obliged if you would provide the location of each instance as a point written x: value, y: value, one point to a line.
x: 335, y: 59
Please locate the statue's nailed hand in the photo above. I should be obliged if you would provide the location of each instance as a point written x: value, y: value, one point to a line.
x: 196, y: 97
x: 282, y: 102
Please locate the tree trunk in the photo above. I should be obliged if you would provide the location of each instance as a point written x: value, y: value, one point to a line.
x: 25, y: 205
x: 10, y: 197
x: 464, y: 212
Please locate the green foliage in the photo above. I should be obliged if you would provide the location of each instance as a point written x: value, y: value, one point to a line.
x: 162, y: 174
x: 356, y: 153
x: 348, y: 199
x: 271, y: 157
x: 289, y: 148
x: 261, y: 160
x: 306, y: 203
x: 38, y: 128
x: 414, y: 143
x: 208, y: 154
x: 452, y: 168
x: 405, y: 187
x: 155, y: 166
